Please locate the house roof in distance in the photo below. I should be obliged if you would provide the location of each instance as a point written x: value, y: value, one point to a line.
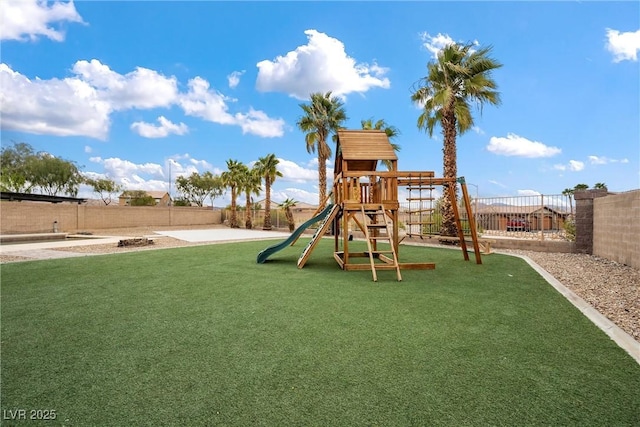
x: 7, y: 195
x: 154, y: 194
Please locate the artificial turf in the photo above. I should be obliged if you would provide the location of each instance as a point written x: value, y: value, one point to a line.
x: 206, y: 336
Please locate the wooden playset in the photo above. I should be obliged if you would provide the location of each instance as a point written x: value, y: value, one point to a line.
x: 369, y: 198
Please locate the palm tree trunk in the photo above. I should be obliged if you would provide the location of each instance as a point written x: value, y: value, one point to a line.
x: 290, y: 221
x: 267, y: 207
x: 449, y: 227
x: 322, y: 179
x: 247, y: 215
x: 233, y: 223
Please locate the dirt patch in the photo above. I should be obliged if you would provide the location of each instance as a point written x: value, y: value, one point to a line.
x: 139, y: 241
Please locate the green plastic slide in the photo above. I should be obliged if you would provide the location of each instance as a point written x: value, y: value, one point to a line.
x: 266, y: 253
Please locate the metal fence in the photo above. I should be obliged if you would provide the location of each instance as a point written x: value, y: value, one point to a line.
x: 524, y: 217
x: 278, y: 217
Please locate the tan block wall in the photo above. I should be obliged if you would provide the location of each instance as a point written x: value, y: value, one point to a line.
x: 616, y: 228
x: 28, y: 217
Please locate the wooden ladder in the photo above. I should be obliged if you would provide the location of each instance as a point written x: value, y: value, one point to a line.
x: 378, y: 222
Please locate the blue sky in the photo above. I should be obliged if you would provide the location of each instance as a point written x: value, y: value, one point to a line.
x: 142, y: 92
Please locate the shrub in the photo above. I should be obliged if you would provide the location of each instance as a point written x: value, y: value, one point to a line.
x: 570, y: 229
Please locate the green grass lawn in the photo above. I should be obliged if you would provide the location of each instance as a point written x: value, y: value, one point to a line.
x: 206, y: 336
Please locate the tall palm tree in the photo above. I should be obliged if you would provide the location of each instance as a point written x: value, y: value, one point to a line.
x: 267, y: 169
x: 600, y: 185
x: 232, y: 179
x: 251, y: 184
x: 323, y: 116
x: 287, y: 204
x: 391, y: 131
x: 458, y: 77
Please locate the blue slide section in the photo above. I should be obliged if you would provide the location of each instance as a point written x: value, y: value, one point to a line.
x: 266, y: 253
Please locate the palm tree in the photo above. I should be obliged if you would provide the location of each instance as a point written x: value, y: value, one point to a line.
x: 287, y: 204
x: 251, y: 184
x: 267, y: 169
x: 600, y: 185
x: 458, y: 77
x: 391, y: 131
x: 232, y: 178
x: 568, y: 192
x: 322, y: 116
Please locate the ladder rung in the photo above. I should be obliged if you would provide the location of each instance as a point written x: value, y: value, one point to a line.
x: 420, y: 223
x: 372, y: 212
x: 385, y: 267
x: 420, y: 198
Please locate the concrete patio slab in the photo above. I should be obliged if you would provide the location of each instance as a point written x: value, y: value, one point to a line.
x: 222, y: 235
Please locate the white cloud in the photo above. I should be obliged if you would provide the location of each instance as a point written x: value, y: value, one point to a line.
x: 314, y: 163
x: 185, y: 164
x: 28, y: 19
x: 166, y: 127
x: 52, y: 107
x: 94, y: 175
x: 136, y: 182
x: 595, y: 160
x: 528, y: 193
x: 149, y: 176
x: 573, y: 166
x: 576, y: 165
x: 134, y: 176
x: 291, y: 171
x: 319, y: 66
x: 126, y: 171
x: 88, y: 149
x: 258, y: 123
x: 296, y: 194
x: 435, y: 44
x: 234, y: 78
x: 623, y: 46
x: 211, y: 105
x: 83, y: 104
x: 204, y: 103
x: 142, y: 88
x: 598, y: 160
x: 203, y: 165
x: 514, y: 145
x: 145, y: 176
x: 173, y: 169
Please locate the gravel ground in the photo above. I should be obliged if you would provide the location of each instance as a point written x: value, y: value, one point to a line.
x: 611, y: 288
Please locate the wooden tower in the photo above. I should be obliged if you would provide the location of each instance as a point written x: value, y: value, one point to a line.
x: 368, y: 198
